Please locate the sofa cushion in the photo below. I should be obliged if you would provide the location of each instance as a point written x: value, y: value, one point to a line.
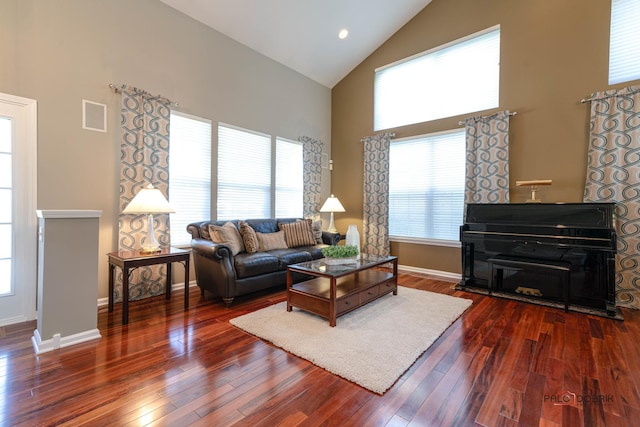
x: 255, y: 264
x: 290, y: 256
x: 249, y: 237
x: 227, y: 235
x: 298, y: 233
x: 270, y: 241
x: 315, y: 251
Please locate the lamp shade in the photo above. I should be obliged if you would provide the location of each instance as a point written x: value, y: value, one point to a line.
x: 149, y: 200
x: 332, y: 205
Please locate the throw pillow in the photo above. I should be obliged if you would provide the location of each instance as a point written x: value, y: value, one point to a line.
x: 249, y: 237
x: 227, y: 235
x: 316, y: 227
x: 269, y: 241
x: 298, y: 234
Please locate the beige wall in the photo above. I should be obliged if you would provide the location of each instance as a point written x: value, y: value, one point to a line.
x: 553, y: 53
x: 60, y: 52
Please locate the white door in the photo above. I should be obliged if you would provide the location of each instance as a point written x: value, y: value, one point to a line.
x: 18, y: 222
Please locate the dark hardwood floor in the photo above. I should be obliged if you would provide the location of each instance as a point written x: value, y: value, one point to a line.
x: 503, y: 363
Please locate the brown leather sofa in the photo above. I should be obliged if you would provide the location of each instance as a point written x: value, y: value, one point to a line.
x: 227, y: 276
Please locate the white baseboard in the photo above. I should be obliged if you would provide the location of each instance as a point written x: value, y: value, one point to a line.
x: 11, y: 320
x: 104, y: 302
x: 58, y: 341
x: 438, y: 273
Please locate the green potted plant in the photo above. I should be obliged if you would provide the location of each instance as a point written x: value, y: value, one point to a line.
x: 340, y: 254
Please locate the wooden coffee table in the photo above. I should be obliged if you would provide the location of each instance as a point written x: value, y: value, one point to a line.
x: 339, y: 289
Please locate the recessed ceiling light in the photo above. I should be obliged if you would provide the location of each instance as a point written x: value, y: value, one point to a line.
x: 343, y: 34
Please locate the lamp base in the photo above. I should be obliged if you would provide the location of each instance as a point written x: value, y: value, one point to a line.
x: 332, y: 227
x: 150, y: 250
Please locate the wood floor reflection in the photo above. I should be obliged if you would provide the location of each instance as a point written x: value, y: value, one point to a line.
x: 502, y: 363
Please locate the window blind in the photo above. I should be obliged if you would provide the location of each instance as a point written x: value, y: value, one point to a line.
x: 244, y: 173
x: 289, y: 179
x: 189, y: 173
x: 426, y: 186
x: 624, y: 42
x: 457, y: 78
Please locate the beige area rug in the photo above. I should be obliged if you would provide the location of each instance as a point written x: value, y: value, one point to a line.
x: 371, y: 346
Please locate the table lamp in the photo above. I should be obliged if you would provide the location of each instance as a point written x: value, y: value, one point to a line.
x: 332, y: 205
x: 148, y: 201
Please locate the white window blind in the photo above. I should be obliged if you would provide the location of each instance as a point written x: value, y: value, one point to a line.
x: 426, y: 186
x: 189, y: 174
x: 289, y: 179
x: 624, y: 43
x: 244, y: 173
x: 457, y: 78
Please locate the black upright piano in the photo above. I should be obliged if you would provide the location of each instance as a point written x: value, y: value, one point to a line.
x: 560, y: 254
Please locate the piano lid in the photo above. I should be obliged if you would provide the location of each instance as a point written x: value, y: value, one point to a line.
x: 582, y: 215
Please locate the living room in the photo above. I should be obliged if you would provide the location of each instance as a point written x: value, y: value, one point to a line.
x: 553, y: 55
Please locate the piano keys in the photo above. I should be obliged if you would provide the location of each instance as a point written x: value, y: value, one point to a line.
x: 559, y: 254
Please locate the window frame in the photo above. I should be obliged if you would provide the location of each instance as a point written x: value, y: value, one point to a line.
x: 622, y: 19
x: 428, y: 240
x: 186, y: 243
x: 273, y: 161
x: 429, y: 58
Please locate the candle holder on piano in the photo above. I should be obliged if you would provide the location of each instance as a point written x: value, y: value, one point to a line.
x: 534, y: 184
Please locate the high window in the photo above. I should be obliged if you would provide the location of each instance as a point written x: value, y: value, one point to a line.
x: 624, y: 41
x: 426, y: 188
x: 457, y: 78
x: 189, y: 173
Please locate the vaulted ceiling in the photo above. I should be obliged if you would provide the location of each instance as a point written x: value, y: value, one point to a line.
x: 303, y: 34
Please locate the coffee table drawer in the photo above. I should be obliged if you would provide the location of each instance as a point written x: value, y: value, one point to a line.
x: 369, y: 294
x: 347, y: 303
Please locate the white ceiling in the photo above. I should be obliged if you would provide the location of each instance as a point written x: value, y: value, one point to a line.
x: 303, y: 34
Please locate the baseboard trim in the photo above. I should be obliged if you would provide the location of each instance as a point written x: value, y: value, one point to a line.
x: 438, y: 273
x: 104, y: 302
x: 57, y: 341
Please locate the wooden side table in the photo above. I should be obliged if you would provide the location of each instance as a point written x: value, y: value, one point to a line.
x: 130, y: 260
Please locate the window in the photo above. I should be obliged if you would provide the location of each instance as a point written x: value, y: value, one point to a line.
x: 289, y: 179
x: 244, y: 173
x: 457, y: 78
x: 189, y: 173
x: 624, y: 42
x: 426, y: 187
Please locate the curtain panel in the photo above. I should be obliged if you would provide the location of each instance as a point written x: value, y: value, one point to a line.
x: 487, y: 163
x: 376, y: 195
x: 144, y: 160
x: 613, y: 175
x: 312, y: 176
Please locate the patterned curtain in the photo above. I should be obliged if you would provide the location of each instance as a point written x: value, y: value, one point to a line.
x: 144, y: 160
x: 487, y: 175
x: 613, y: 175
x: 376, y: 194
x: 312, y: 176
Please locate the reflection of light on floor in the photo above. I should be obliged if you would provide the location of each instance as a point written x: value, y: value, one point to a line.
x: 181, y: 339
x: 3, y: 388
x: 147, y: 418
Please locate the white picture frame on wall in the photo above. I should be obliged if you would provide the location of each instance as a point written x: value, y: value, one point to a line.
x: 94, y: 116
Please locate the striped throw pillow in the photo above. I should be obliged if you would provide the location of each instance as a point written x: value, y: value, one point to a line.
x: 298, y: 233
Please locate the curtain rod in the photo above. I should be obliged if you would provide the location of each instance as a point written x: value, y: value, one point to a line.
x: 514, y: 113
x: 118, y: 89
x: 391, y: 135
